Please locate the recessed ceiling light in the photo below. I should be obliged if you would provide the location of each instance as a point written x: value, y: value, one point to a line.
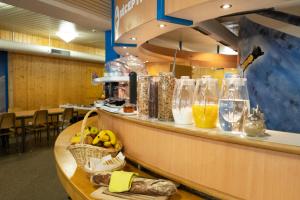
x: 133, y: 38
x: 124, y: 47
x: 162, y: 26
x: 226, y: 6
x: 146, y: 61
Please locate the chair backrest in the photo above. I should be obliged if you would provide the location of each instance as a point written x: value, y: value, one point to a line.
x: 68, y: 114
x: 40, y: 117
x: 7, y: 120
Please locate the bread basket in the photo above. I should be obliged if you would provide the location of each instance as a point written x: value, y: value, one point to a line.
x: 83, y: 152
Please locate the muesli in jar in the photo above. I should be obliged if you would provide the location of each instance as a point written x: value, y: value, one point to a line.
x: 143, y: 96
x: 166, y: 85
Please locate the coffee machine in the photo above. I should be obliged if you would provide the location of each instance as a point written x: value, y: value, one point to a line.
x: 120, y: 80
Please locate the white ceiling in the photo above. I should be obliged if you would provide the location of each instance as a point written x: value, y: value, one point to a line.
x: 96, y: 7
x: 21, y: 20
x: 192, y: 40
x: 86, y: 13
x: 43, y: 17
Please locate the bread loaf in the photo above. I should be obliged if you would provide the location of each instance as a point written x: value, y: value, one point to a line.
x: 155, y: 187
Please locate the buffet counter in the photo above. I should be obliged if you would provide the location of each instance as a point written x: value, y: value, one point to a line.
x: 220, y: 164
x: 76, y: 181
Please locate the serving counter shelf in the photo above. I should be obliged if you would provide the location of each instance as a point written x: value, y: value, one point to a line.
x: 217, y: 163
x: 277, y: 140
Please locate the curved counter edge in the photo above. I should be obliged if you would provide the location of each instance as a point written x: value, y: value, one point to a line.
x: 214, y: 134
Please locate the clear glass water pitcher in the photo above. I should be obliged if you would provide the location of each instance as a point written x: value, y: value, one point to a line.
x: 233, y: 104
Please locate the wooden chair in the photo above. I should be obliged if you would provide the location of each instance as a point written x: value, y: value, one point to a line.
x: 65, y: 119
x: 18, y: 123
x: 7, y: 128
x: 39, y: 124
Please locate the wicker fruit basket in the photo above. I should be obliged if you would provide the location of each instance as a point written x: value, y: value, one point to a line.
x: 83, y: 152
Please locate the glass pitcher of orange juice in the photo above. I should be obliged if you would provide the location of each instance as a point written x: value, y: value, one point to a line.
x: 205, y: 102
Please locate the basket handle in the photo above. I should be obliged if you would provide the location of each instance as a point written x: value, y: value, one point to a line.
x: 84, y: 122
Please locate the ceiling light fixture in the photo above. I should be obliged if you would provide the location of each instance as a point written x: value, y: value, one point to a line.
x: 162, y: 26
x: 146, y: 61
x: 124, y: 47
x: 5, y: 6
x: 226, y: 6
x: 228, y: 51
x: 67, y: 32
x: 133, y: 38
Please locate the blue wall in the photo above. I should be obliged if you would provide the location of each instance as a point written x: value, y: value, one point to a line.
x: 4, y: 81
x: 274, y: 78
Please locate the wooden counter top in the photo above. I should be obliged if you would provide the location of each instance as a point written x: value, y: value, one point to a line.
x: 75, y: 181
x: 277, y: 141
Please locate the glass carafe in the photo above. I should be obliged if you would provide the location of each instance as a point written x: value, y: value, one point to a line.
x: 182, y: 100
x: 233, y: 104
x: 205, y: 102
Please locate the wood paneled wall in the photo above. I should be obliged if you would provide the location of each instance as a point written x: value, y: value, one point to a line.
x: 38, y: 40
x: 36, y: 81
x: 155, y: 68
x: 218, y: 73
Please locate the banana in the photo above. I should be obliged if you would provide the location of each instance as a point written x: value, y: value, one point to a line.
x: 96, y: 139
x: 104, y: 138
x: 118, y: 146
x: 100, y: 137
x: 107, y: 144
x: 75, y: 139
x: 112, y: 136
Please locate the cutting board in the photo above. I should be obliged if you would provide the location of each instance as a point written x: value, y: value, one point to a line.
x: 103, y: 194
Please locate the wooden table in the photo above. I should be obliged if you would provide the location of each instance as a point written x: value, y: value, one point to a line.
x: 76, y: 181
x: 23, y: 115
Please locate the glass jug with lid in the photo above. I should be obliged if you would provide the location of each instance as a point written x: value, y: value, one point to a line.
x: 233, y: 103
x: 205, y: 102
x: 182, y: 100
